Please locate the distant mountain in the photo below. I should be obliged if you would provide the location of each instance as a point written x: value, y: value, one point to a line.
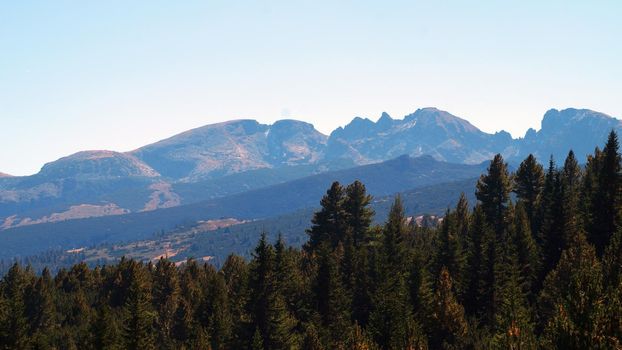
x: 381, y: 179
x: 427, y: 131
x: 5, y: 175
x: 233, y: 147
x: 578, y: 129
x: 229, y: 158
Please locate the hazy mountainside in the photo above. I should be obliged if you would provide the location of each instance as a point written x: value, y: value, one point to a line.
x: 427, y: 131
x: 229, y: 158
x: 578, y: 129
x: 215, y: 242
x: 233, y: 147
x: 4, y: 175
x: 385, y: 178
x: 91, y: 183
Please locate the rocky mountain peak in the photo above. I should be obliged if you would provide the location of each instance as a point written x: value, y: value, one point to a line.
x: 97, y: 164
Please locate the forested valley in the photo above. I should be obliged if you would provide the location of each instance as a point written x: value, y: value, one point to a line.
x: 535, y: 263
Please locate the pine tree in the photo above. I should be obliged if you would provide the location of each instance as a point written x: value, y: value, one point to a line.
x: 165, y: 299
x: 266, y: 305
x: 185, y: 328
x: 393, y: 238
x: 217, y: 317
x: 330, y: 223
x: 235, y: 272
x: 528, y: 185
x: 570, y: 195
x: 527, y: 253
x: 391, y: 318
x: 358, y: 212
x: 571, y: 302
x: 41, y: 311
x: 462, y: 216
x: 15, y: 328
x: 493, y: 192
x: 330, y: 298
x: 475, y: 271
x: 450, y: 325
x: 446, y: 253
x: 512, y: 319
x: 289, y: 280
x: 138, y: 313
x: 106, y: 333
x: 551, y: 235
x: 607, y: 201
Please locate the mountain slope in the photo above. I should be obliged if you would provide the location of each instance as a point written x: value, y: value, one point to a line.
x: 381, y: 179
x: 233, y: 147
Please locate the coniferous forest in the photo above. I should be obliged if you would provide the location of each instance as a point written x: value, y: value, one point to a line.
x: 535, y: 263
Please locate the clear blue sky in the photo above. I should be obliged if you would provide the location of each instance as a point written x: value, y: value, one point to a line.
x: 78, y: 75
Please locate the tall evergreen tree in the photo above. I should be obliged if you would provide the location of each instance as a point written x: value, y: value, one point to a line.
x: 266, y: 305
x: 493, y: 192
x: 359, y: 213
x: 475, y: 272
x: 512, y: 319
x: 105, y: 329
x: 551, y: 235
x: 165, y: 299
x: 570, y: 195
x: 216, y: 313
x: 528, y: 184
x: 607, y: 197
x: 330, y: 223
x: 571, y: 302
x: 138, y: 314
x: 16, y: 327
x: 527, y: 253
x: 450, y: 324
x: 330, y: 298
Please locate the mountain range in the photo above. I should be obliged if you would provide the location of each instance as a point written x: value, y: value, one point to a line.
x: 229, y: 158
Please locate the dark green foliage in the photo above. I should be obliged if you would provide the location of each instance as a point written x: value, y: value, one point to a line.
x: 606, y: 197
x: 493, y: 192
x: 474, y: 279
x: 528, y: 184
x: 330, y: 223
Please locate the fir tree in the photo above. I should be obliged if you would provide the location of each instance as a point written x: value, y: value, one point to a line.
x: 106, y: 333
x: 359, y: 213
x: 493, y: 192
x: 15, y: 327
x: 571, y: 302
x: 551, y: 235
x: 527, y: 253
x: 450, y: 325
x: 330, y: 223
x: 137, y: 312
x: 528, y: 184
x: 570, y: 195
x: 475, y: 271
x: 607, y: 202
x: 165, y: 299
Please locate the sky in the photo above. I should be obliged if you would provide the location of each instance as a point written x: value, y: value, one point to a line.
x: 83, y: 75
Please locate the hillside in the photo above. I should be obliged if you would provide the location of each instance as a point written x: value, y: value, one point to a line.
x: 385, y: 178
x: 217, y: 239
